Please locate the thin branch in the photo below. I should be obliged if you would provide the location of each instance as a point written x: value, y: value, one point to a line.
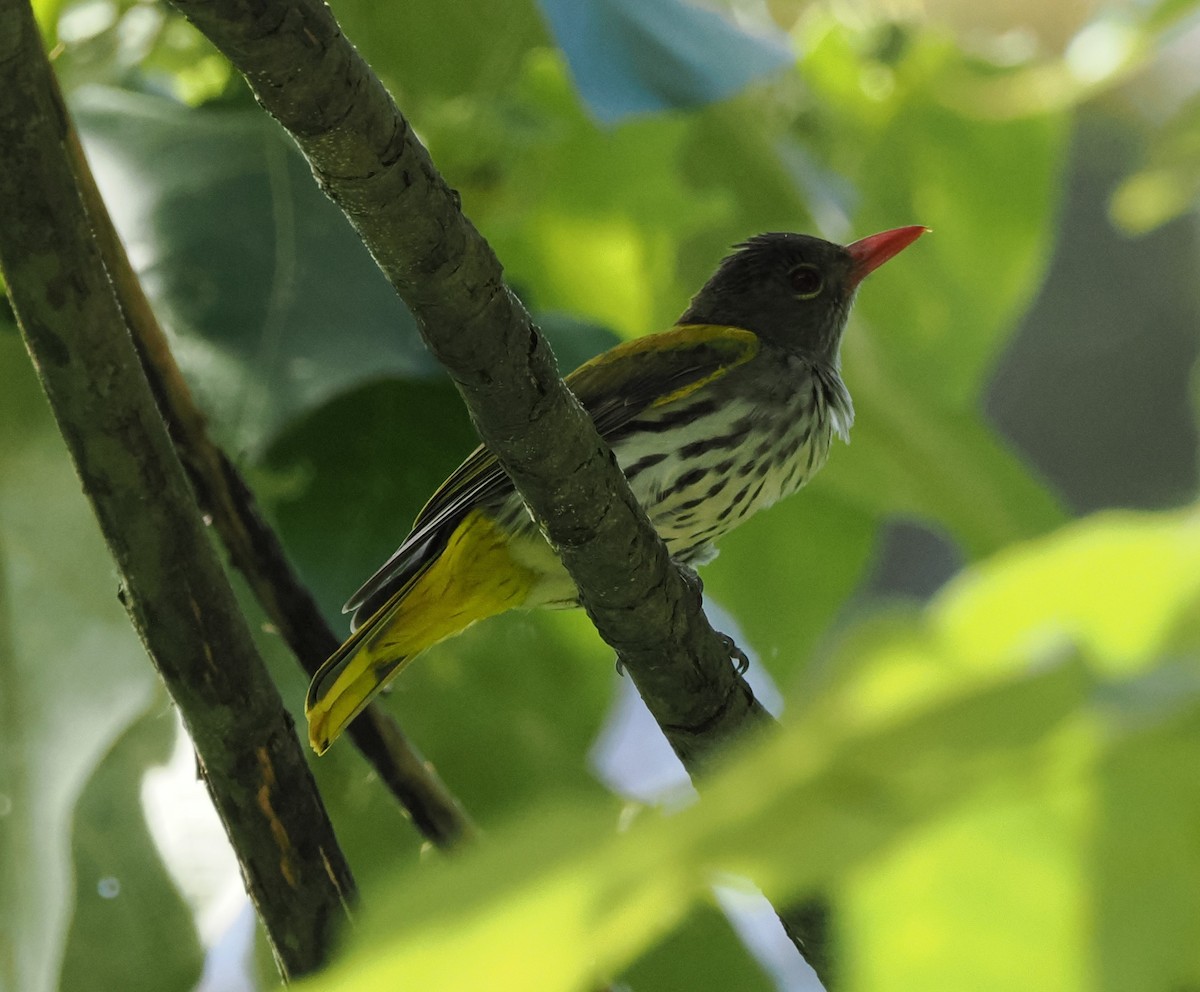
x: 365, y: 156
x: 253, y: 546
x: 173, y: 586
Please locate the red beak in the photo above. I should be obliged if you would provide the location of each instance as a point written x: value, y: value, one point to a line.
x: 872, y: 252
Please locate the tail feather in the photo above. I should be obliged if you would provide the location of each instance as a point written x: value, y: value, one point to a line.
x: 472, y: 577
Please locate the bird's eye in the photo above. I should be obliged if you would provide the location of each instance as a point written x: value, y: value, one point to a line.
x: 806, y: 281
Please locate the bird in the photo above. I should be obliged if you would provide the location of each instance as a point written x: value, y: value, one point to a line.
x: 711, y: 421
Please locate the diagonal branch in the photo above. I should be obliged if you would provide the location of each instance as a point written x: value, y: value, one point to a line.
x: 253, y: 546
x: 365, y: 156
x: 173, y: 586
x: 367, y: 159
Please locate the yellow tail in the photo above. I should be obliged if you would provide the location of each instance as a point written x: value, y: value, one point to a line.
x: 472, y: 578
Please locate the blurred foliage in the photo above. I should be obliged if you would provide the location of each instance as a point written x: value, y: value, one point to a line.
x: 115, y: 881
x: 73, y: 679
x: 628, y: 57
x: 1168, y: 183
x: 994, y: 786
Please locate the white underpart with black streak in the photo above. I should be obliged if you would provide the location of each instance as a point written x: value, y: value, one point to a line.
x: 726, y: 464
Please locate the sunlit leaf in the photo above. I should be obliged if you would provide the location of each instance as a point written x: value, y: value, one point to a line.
x: 561, y: 901
x: 1045, y: 879
x: 1071, y: 883
x: 1126, y: 586
x: 1122, y: 590
x: 993, y: 896
x: 1143, y: 868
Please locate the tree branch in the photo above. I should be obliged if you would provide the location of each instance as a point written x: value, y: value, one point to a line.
x: 365, y: 156
x: 173, y: 585
x: 367, y: 159
x: 253, y: 546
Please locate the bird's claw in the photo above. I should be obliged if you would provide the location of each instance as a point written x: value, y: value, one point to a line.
x: 690, y: 576
x: 736, y: 654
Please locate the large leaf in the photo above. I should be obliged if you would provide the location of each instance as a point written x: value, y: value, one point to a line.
x: 703, y: 953
x: 1065, y: 879
x: 130, y: 930
x: 72, y: 675
x: 1143, y: 873
x: 1073, y: 883
x: 957, y: 770
x: 1120, y: 588
x: 1126, y: 586
x: 558, y: 901
x: 272, y: 303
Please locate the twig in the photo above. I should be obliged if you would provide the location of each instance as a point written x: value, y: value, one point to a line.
x: 173, y: 585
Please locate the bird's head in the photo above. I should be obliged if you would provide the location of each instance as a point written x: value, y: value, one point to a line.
x: 793, y: 289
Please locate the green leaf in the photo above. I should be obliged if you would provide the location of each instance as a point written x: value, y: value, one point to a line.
x: 72, y: 675
x: 914, y: 456
x: 131, y: 930
x: 427, y: 50
x: 1074, y: 884
x: 1143, y: 864
x: 1120, y: 589
x: 703, y: 953
x: 1067, y: 877
x: 1123, y: 586
x: 560, y: 890
x: 994, y: 899
x: 272, y: 303
x: 953, y: 768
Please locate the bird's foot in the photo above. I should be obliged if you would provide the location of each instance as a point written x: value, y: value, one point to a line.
x: 690, y: 576
x: 736, y: 654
